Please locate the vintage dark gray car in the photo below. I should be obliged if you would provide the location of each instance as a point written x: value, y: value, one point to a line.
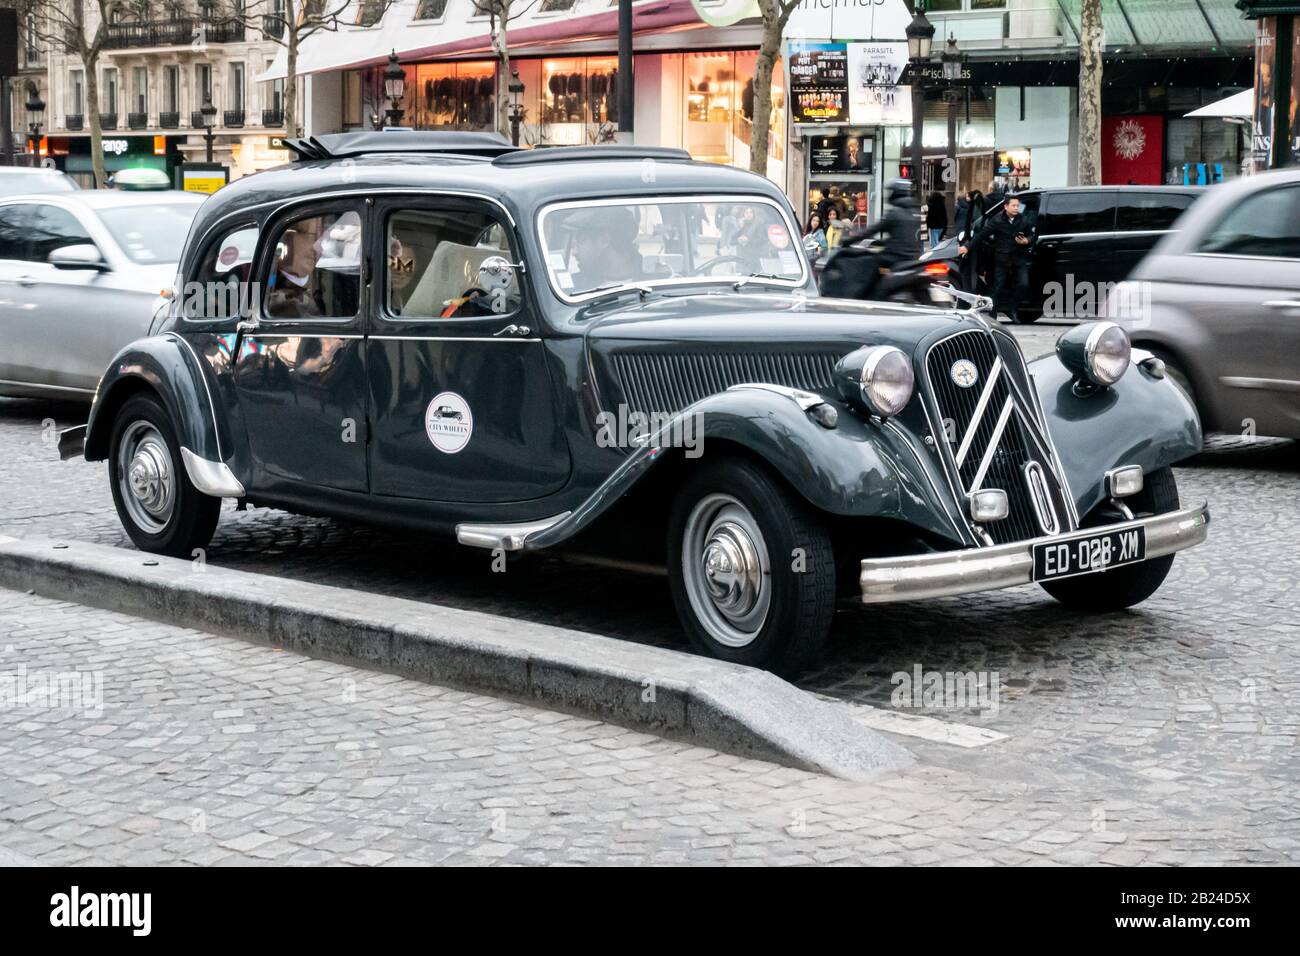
x: 618, y: 347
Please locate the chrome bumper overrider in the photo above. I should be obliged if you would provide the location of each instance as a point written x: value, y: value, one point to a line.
x: 916, y: 577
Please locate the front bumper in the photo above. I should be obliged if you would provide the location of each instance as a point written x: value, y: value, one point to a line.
x: 917, y: 577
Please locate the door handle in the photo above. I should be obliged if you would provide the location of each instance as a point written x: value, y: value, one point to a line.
x: 246, y: 325
x: 512, y: 329
x: 1283, y: 304
x: 26, y: 281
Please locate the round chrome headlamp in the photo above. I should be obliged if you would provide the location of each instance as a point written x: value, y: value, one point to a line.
x: 876, y: 378
x: 1096, y: 351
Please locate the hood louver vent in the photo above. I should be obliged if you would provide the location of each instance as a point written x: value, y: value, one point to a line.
x: 667, y: 383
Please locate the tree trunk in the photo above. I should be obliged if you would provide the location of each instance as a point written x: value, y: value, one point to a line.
x: 291, y: 78
x: 91, y: 62
x: 1091, y: 43
x: 768, y: 51
x: 503, y: 79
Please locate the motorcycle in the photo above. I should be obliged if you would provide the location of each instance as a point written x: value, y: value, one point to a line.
x: 853, y: 272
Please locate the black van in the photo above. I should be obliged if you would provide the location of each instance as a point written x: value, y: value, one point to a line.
x: 1084, y: 237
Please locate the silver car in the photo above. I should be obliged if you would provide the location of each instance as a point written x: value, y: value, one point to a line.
x: 23, y: 180
x: 80, y: 276
x: 1219, y: 301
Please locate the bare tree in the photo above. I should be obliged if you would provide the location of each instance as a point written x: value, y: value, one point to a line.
x: 65, y: 25
x: 775, y: 15
x: 500, y: 14
x: 291, y: 25
x: 1092, y: 41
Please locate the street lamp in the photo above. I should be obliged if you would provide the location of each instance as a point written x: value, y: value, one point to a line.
x: 394, y: 89
x: 952, y: 70
x: 920, y: 36
x: 516, y: 89
x: 35, y: 109
x: 209, y: 114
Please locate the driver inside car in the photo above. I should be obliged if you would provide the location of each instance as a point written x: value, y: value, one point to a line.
x: 604, y: 244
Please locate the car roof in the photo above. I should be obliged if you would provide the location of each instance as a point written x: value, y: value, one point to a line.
x: 29, y: 171
x: 111, y: 198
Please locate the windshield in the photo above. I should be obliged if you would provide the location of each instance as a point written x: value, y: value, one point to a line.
x: 595, y: 246
x: 21, y: 184
x: 150, y: 233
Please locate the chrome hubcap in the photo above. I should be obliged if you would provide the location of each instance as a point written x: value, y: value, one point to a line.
x: 145, y: 476
x: 726, y: 570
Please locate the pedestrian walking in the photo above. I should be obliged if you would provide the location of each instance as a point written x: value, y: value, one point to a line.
x: 936, y: 218
x: 1012, y: 237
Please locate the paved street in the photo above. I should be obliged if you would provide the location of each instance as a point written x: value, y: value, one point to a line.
x: 1163, y: 735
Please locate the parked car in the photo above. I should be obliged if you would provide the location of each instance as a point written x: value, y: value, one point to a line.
x: 1087, y: 236
x: 538, y: 346
x: 80, y: 276
x: 1219, y: 302
x: 28, y: 180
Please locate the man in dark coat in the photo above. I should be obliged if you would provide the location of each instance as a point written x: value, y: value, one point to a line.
x: 1012, y: 236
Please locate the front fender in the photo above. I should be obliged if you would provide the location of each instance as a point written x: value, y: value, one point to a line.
x: 857, y: 468
x: 1140, y: 420
x: 167, y: 366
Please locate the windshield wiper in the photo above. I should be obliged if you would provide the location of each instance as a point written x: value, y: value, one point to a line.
x: 617, y: 288
x: 740, y: 283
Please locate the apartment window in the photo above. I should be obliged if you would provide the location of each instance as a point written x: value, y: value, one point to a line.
x: 141, y: 84
x: 277, y: 94
x: 110, y: 91
x: 202, y: 83
x: 370, y: 12
x: 236, y: 86
x: 352, y: 108
x: 31, y: 49
x: 172, y: 89
x: 76, y: 92
x: 430, y: 9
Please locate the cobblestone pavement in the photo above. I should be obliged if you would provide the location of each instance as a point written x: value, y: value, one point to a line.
x: 1170, y: 730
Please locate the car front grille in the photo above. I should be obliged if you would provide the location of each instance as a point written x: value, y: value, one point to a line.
x: 969, y: 419
x: 664, y: 382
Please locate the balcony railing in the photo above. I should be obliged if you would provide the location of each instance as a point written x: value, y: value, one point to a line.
x: 273, y: 26
x: 74, y: 121
x: 137, y: 120
x: 233, y: 118
x: 196, y: 120
x: 108, y: 121
x: 169, y: 120
x: 172, y: 33
x: 272, y: 117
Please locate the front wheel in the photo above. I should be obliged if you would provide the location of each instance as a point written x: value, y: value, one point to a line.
x: 1131, y: 584
x: 159, y: 507
x: 751, y: 568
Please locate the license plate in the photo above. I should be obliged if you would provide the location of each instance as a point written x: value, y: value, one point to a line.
x: 1086, y: 555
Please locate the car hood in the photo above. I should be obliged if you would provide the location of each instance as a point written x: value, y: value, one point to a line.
x: 662, y: 355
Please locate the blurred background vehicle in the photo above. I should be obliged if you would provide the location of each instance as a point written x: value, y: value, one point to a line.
x: 25, y: 180
x: 1084, y: 236
x: 1219, y: 301
x: 140, y: 180
x: 80, y: 276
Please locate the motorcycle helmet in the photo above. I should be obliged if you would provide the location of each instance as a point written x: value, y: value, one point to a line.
x: 897, y: 190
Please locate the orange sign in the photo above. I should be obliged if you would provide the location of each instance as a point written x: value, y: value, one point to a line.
x: 160, y: 145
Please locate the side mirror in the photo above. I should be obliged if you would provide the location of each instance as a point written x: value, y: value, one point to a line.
x: 84, y: 256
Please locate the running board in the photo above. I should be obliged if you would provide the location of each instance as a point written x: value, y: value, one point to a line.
x: 506, y: 537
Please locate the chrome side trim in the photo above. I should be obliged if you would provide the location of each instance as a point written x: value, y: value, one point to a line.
x: 805, y: 400
x: 942, y: 574
x: 212, y: 408
x: 978, y: 414
x: 211, y: 477
x: 1276, y: 384
x: 53, y: 388
x: 507, y: 537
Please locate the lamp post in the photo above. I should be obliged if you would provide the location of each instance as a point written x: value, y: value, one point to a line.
x: 516, y: 89
x: 35, y: 109
x: 394, y: 89
x: 920, y: 36
x: 952, y: 69
x: 209, y: 114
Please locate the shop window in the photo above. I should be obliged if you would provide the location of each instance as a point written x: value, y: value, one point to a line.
x: 220, y: 284
x: 449, y: 264
x: 578, y: 100
x: 317, y: 268
x: 453, y: 96
x: 352, y: 109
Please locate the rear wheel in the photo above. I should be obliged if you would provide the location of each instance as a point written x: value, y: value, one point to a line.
x: 751, y: 568
x: 159, y: 507
x: 1131, y: 584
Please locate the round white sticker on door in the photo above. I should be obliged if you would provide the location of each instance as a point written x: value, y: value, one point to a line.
x: 448, y: 422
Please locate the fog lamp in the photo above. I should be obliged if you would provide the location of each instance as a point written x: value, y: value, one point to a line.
x: 1123, y: 482
x: 990, y: 504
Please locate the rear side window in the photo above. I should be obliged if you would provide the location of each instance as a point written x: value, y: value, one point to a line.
x: 1081, y: 212
x: 221, y: 287
x: 317, y: 268
x: 14, y: 222
x: 1145, y: 212
x: 1265, y: 225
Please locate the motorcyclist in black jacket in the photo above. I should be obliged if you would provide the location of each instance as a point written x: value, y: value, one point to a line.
x: 843, y: 276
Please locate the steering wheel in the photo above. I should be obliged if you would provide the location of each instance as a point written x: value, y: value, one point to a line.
x: 715, y: 261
